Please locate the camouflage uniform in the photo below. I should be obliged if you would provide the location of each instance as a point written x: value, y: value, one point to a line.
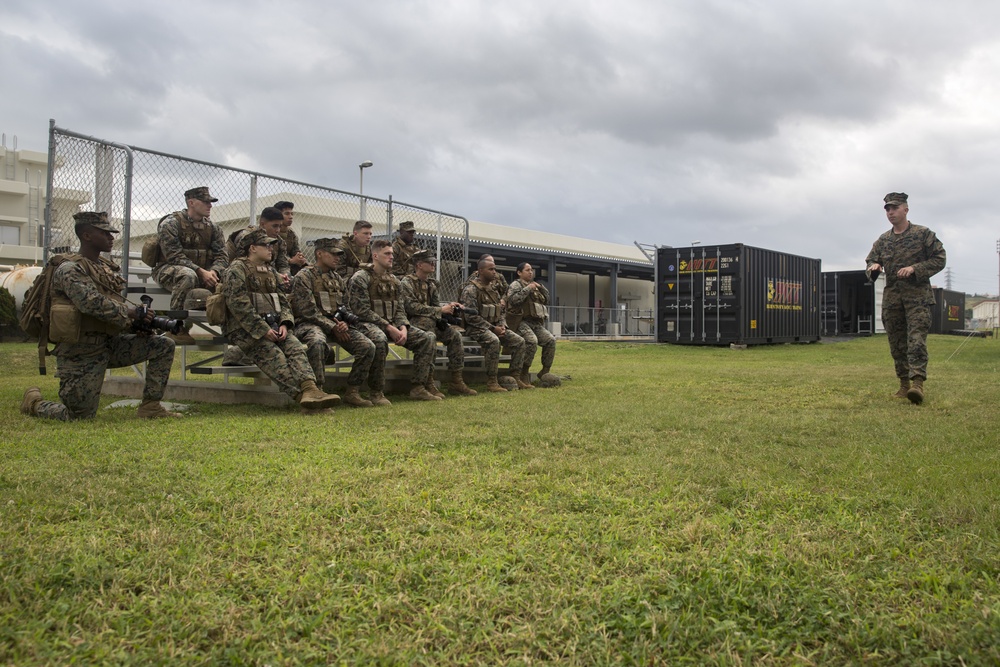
x: 93, y: 289
x: 499, y: 283
x: 187, y: 245
x: 251, y: 291
x: 420, y: 298
x: 486, y: 300
x: 292, y: 248
x: 906, y: 302
x: 402, y: 257
x: 377, y: 301
x: 279, y: 260
x: 354, y: 257
x: 314, y: 298
x: 530, y: 306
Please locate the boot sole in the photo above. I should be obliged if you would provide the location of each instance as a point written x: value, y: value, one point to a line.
x: 319, y: 405
x: 915, y: 397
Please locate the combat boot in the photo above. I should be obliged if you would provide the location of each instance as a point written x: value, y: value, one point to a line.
x: 379, y: 399
x: 493, y: 385
x: 154, y: 410
x: 29, y: 404
x: 313, y: 413
x: 523, y: 381
x: 458, y: 385
x: 904, y: 388
x: 432, y: 388
x: 183, y: 338
x: 352, y: 397
x: 312, y: 397
x: 916, y: 393
x: 420, y: 393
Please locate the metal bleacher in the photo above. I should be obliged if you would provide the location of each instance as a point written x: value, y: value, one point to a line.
x: 204, y: 378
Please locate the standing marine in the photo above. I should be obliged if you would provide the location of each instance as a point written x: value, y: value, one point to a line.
x: 909, y: 255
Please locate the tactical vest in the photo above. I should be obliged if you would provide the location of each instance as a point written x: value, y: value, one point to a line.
x: 423, y: 289
x: 383, y: 292
x: 262, y: 284
x: 328, y: 290
x: 402, y: 257
x: 196, y: 239
x: 534, y: 306
x: 66, y: 322
x: 352, y: 249
x: 489, y: 303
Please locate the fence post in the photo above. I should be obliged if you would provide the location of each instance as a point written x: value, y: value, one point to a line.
x: 47, y: 232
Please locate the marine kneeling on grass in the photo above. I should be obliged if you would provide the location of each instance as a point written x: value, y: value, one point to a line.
x: 258, y: 319
x: 87, y: 321
x: 321, y: 319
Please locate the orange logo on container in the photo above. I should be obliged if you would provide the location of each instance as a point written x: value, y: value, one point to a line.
x: 706, y: 265
x: 953, y: 313
x: 784, y: 294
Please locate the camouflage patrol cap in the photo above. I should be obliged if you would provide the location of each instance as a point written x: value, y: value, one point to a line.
x: 406, y: 226
x: 92, y: 219
x: 255, y: 237
x: 328, y: 245
x: 200, y: 193
x: 895, y: 198
x: 423, y: 256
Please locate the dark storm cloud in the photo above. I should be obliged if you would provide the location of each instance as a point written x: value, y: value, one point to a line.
x: 778, y: 124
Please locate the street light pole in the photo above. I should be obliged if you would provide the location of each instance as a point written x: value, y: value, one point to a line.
x: 361, y: 186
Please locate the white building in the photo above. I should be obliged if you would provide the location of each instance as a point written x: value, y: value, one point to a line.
x: 984, y: 314
x: 589, y: 275
x: 22, y: 205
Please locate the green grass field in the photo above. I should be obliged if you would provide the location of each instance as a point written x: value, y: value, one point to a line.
x: 668, y: 505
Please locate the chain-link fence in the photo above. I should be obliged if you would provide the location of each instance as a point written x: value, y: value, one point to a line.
x: 578, y: 321
x: 137, y: 187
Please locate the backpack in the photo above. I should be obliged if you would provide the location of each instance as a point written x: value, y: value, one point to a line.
x: 151, y: 254
x: 34, y: 317
x: 215, y: 307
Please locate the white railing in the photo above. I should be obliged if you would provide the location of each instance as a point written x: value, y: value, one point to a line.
x: 578, y: 321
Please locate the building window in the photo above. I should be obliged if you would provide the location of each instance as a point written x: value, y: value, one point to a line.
x: 10, y: 235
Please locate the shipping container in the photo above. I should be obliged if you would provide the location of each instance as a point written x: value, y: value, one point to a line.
x: 948, y: 312
x: 847, y: 304
x: 736, y: 294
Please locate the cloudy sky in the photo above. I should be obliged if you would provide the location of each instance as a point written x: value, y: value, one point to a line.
x: 777, y: 123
